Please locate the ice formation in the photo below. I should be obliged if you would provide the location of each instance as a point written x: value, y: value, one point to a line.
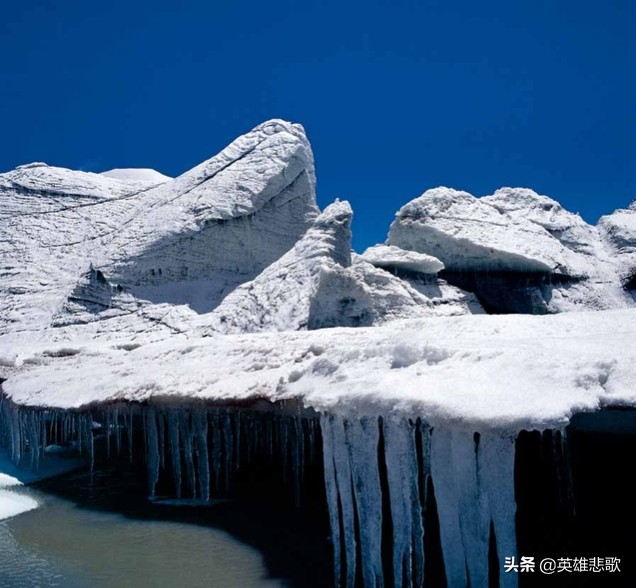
x: 517, y: 250
x: 202, y: 324
x: 317, y: 284
x: 391, y: 257
x: 619, y: 231
x: 82, y: 248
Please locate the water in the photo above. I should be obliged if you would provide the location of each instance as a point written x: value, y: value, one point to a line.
x: 97, y: 531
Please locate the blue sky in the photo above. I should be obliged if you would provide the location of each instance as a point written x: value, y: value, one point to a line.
x: 397, y: 96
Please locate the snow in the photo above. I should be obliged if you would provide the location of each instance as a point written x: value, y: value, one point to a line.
x: 12, y: 502
x: 139, y: 174
x: 220, y: 224
x: 199, y: 286
x: 389, y: 256
x: 619, y: 231
x: 317, y: 284
x: 466, y: 233
x: 517, y: 231
x: 480, y: 372
x: 282, y: 296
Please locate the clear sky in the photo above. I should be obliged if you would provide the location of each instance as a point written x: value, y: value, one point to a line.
x: 397, y: 96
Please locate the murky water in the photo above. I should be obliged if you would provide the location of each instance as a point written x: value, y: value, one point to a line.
x: 80, y: 540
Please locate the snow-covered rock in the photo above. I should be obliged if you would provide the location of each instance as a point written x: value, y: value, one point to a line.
x: 391, y: 257
x: 548, y: 259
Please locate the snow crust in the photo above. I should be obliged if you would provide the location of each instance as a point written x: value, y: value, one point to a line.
x: 13, y: 503
x: 477, y: 372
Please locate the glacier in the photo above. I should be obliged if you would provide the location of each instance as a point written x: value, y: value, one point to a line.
x: 208, y: 322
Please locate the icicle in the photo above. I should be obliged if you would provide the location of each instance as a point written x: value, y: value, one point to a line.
x: 217, y: 454
x: 228, y: 446
x: 152, y: 448
x: 129, y: 432
x: 175, y: 450
x: 162, y: 439
x: 187, y: 452
x: 16, y: 440
x: 88, y: 427
x: 200, y: 426
x: 362, y: 437
x: 496, y: 468
x: 117, y: 430
x: 331, y: 491
x: 269, y: 442
x: 311, y: 440
x: 237, y: 440
x: 108, y: 431
x: 344, y: 484
x: 284, y: 445
x: 34, y: 438
x: 462, y: 507
x: 424, y: 431
x: 295, y: 449
x: 406, y: 510
x: 567, y: 475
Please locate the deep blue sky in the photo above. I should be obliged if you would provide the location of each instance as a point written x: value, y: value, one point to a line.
x: 397, y: 96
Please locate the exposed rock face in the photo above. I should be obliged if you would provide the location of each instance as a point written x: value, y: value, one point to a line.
x: 518, y: 251
x: 189, y: 241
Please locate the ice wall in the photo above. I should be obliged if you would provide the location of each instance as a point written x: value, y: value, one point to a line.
x: 376, y: 474
x: 473, y: 477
